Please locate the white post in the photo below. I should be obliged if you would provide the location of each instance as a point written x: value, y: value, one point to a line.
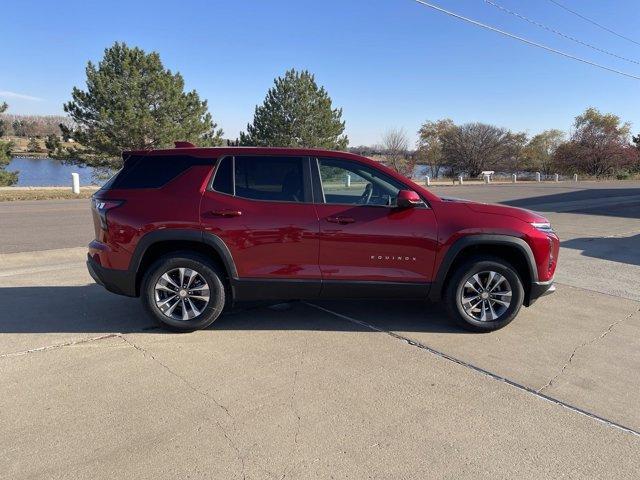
x: 486, y: 179
x: 75, y: 183
x: 427, y: 181
x: 575, y: 177
x: 347, y: 182
x: 557, y: 177
x: 537, y: 176
x: 460, y: 179
x: 514, y: 178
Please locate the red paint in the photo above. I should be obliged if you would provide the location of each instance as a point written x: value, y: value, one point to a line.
x: 311, y: 241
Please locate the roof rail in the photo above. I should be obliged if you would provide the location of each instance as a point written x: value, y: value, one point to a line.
x: 184, y: 145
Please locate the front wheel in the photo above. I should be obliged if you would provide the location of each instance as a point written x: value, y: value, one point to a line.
x: 183, y: 291
x: 484, y: 294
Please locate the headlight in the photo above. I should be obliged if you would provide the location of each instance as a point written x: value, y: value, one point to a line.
x: 543, y: 226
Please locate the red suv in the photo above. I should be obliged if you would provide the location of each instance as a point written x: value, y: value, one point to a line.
x: 192, y: 230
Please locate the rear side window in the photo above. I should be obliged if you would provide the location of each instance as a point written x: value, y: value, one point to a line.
x: 152, y: 171
x: 223, y: 180
x: 267, y: 178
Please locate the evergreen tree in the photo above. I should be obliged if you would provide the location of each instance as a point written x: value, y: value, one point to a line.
x: 52, y: 143
x: 33, y: 145
x: 133, y: 102
x: 296, y: 113
x: 6, y: 178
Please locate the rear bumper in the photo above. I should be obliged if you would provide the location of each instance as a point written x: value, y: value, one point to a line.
x: 540, y: 289
x: 122, y: 282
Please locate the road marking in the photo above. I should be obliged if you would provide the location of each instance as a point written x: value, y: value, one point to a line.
x: 482, y: 371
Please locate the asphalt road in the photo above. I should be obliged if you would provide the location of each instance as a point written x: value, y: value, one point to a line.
x: 91, y: 389
x: 29, y: 226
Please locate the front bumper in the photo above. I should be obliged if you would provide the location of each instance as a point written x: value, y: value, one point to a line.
x: 122, y: 282
x: 540, y: 289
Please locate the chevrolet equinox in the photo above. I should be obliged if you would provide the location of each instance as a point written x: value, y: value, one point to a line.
x: 192, y: 230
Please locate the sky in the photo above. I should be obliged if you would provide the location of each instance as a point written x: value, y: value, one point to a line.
x: 387, y: 64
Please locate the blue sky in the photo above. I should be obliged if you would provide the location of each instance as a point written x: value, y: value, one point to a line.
x: 390, y: 63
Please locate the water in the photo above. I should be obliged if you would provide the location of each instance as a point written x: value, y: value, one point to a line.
x: 47, y: 172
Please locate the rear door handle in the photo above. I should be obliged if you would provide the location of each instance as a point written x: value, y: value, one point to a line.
x: 340, y: 220
x: 225, y: 213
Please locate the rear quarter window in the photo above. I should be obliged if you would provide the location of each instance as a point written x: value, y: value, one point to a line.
x: 153, y: 171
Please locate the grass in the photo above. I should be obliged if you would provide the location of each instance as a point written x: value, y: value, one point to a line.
x: 11, y: 194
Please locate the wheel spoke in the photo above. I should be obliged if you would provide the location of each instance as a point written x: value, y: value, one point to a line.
x: 164, y: 288
x: 200, y: 297
x: 195, y: 311
x: 162, y: 303
x: 501, y: 302
x: 170, y: 310
x: 490, y: 278
x: 471, y: 286
x: 168, y: 279
x: 499, y: 280
x: 502, y: 294
x: 190, y: 275
x: 492, y: 313
x: 185, y: 314
x: 483, y: 312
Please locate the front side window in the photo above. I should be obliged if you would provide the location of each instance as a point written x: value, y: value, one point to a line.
x: 347, y: 182
x: 268, y: 178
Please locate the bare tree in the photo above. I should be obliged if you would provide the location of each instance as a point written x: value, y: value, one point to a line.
x: 430, y: 144
x: 395, y: 144
x: 599, y: 146
x: 474, y: 147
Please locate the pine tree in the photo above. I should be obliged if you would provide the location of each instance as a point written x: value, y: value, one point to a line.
x: 6, y: 178
x: 296, y: 113
x: 133, y: 102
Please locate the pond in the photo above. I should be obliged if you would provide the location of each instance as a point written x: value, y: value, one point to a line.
x: 48, y: 172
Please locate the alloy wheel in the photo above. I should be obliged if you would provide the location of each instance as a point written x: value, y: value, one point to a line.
x: 181, y: 293
x: 486, y: 296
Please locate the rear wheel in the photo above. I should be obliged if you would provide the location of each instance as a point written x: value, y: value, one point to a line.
x: 484, y: 294
x: 183, y: 291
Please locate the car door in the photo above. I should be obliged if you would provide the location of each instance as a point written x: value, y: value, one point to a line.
x: 261, y: 207
x: 364, y: 236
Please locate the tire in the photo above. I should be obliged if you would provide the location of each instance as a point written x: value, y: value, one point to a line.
x: 493, y: 314
x: 191, y: 311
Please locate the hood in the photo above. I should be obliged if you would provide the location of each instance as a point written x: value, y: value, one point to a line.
x: 494, y: 209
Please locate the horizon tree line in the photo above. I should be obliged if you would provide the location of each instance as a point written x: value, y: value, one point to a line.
x: 132, y: 101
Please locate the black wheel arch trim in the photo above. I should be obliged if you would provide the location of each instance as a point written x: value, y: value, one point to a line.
x: 172, y: 234
x: 459, y: 245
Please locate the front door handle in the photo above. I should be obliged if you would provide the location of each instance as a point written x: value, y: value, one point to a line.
x: 225, y: 213
x: 340, y: 220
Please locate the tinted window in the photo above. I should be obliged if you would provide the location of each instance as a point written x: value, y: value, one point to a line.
x: 151, y: 171
x: 223, y: 181
x: 347, y: 182
x: 269, y: 178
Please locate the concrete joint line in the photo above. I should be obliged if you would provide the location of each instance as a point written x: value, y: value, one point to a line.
x: 59, y: 345
x: 208, y: 397
x: 482, y: 371
x: 591, y: 341
x: 149, y: 355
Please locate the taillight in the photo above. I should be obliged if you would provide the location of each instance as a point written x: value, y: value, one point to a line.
x: 102, y: 207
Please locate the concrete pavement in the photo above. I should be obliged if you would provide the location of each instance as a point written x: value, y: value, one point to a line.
x: 328, y: 389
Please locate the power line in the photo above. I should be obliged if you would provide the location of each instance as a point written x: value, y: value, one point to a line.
x: 593, y: 22
x: 568, y: 37
x: 524, y: 40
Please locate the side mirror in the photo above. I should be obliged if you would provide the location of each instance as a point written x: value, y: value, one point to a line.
x: 408, y: 199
